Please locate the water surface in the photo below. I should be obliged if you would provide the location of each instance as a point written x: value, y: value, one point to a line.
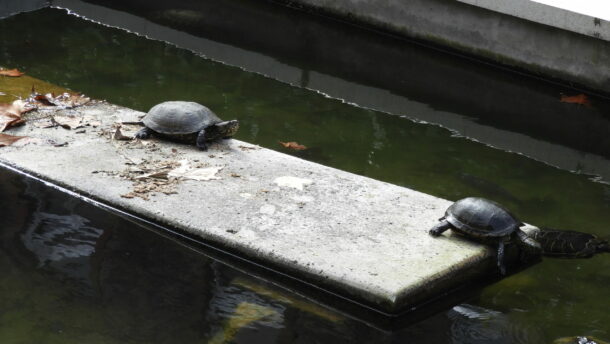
x: 108, y: 281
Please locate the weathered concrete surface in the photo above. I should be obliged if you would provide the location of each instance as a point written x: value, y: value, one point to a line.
x: 10, y: 7
x: 525, y: 44
x: 587, y: 17
x: 363, y: 238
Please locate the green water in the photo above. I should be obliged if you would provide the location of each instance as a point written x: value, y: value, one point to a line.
x: 553, y: 299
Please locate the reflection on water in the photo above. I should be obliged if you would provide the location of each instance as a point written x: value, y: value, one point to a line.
x: 76, y: 274
x: 71, y: 273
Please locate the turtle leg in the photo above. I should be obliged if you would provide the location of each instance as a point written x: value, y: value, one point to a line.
x: 201, y: 140
x: 501, y: 258
x: 440, y: 228
x: 144, y: 133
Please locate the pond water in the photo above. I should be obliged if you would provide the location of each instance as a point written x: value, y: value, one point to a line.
x: 70, y: 273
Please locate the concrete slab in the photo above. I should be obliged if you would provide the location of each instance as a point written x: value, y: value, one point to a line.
x: 587, y: 17
x: 353, y: 235
x: 554, y: 43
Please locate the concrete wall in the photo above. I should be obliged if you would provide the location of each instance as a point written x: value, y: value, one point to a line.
x: 502, y: 38
x: 9, y: 7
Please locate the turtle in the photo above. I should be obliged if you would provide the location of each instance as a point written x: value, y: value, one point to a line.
x: 185, y: 121
x: 579, y: 340
x: 486, y: 221
x: 569, y: 244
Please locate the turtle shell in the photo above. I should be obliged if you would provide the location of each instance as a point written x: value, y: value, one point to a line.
x: 179, y: 118
x: 482, y: 218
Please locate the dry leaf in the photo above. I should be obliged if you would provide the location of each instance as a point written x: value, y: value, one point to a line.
x: 8, y: 120
x: 91, y: 120
x: 11, y: 72
x: 156, y: 175
x: 581, y: 99
x: 292, y: 145
x: 68, y: 122
x: 64, y: 100
x: 118, y: 135
x: 7, y: 140
x: 10, y: 114
x: 44, y: 123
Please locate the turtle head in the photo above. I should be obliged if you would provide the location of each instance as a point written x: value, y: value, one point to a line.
x: 602, y: 245
x: 227, y: 128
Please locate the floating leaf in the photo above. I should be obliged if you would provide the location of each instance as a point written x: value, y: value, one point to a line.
x: 11, y: 72
x: 292, y: 145
x: 581, y: 99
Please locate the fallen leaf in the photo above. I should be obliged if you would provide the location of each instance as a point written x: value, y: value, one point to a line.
x: 292, y: 145
x: 8, y: 120
x: 91, y: 121
x: 581, y: 99
x: 44, y: 99
x: 10, y: 114
x: 64, y: 100
x: 11, y: 72
x: 68, y: 122
x: 68, y: 100
x: 7, y: 140
x: 187, y: 172
x: 118, y: 135
x: 156, y: 175
x: 44, y: 123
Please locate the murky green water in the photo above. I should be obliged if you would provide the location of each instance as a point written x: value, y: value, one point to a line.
x: 122, y: 293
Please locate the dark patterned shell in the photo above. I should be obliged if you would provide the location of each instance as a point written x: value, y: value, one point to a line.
x: 481, y: 218
x: 179, y: 118
x: 569, y: 244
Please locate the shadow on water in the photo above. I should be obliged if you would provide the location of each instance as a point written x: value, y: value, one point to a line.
x: 71, y: 273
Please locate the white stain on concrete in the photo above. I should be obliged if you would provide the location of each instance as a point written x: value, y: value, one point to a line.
x: 268, y: 209
x: 292, y: 182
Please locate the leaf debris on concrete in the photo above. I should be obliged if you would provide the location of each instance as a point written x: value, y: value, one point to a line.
x: 10, y: 114
x: 8, y: 140
x: 119, y: 136
x: 149, y: 177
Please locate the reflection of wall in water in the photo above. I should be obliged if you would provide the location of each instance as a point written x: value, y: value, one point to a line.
x: 505, y: 110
